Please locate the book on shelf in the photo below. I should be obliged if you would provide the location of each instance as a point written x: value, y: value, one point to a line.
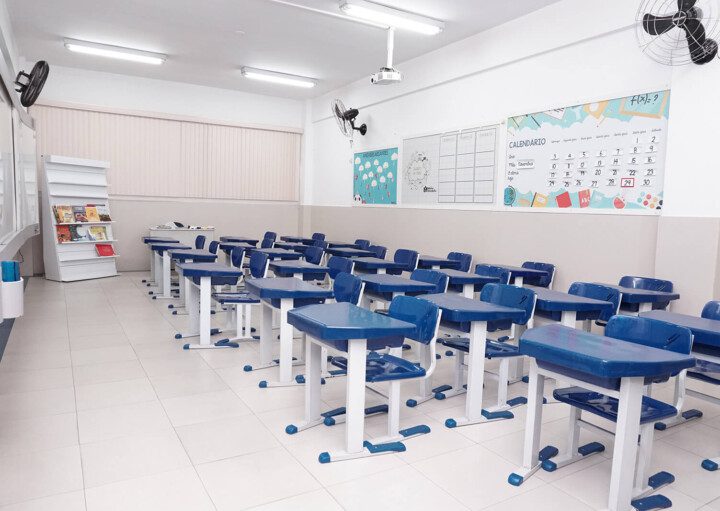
x: 104, y: 249
x: 79, y: 213
x: 91, y: 213
x: 103, y: 212
x: 80, y: 233
x: 63, y: 234
x: 98, y: 232
x: 63, y: 214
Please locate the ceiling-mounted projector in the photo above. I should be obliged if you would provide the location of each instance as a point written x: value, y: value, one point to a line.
x: 388, y: 74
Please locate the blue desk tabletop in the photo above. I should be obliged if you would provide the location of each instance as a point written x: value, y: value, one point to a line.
x: 288, y: 287
x: 162, y: 247
x: 297, y: 239
x: 519, y: 271
x: 209, y: 270
x: 459, y: 309
x: 159, y: 239
x: 200, y: 256
x: 342, y: 321
x: 340, y: 244
x: 349, y: 252
x: 279, y: 253
x: 705, y: 331
x: 289, y: 268
x: 633, y: 295
x: 286, y: 245
x: 428, y: 261
x: 461, y: 277
x: 240, y: 239
x: 554, y: 301
x: 374, y: 263
x: 597, y: 355
x: 228, y: 246
x: 382, y: 283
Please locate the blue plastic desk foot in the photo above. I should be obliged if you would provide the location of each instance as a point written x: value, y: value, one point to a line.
x: 550, y: 465
x: 174, y: 313
x: 682, y: 418
x: 171, y: 306
x: 515, y: 479
x: 420, y: 429
x: 144, y: 281
x: 178, y: 336
x: 388, y: 447
x: 154, y: 297
x: 411, y: 403
x: 337, y: 416
x: 525, y: 379
x: 517, y: 401
x: 449, y: 353
x: 228, y: 343
x: 652, y: 502
x: 709, y: 465
x: 291, y: 429
x: 660, y: 479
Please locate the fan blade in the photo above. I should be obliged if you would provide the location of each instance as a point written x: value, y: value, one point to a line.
x: 709, y: 51
x: 695, y: 35
x: 657, y: 25
x: 686, y: 5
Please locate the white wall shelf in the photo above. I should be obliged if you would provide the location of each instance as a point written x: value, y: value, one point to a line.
x: 74, y: 182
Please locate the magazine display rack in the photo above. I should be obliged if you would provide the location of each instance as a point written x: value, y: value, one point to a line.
x: 77, y: 224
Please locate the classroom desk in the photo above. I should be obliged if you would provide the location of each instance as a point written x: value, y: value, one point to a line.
x: 518, y: 273
x: 240, y: 239
x: 161, y: 252
x: 149, y: 240
x: 470, y: 282
x: 340, y: 244
x: 374, y: 264
x: 564, y: 307
x: 279, y: 253
x: 429, y: 262
x: 188, y: 256
x: 349, y: 252
x: 299, y: 269
x: 297, y: 239
x: 644, y: 297
x: 283, y: 294
x: 286, y: 245
x: 462, y: 314
x: 706, y: 344
x: 385, y: 287
x: 600, y: 364
x: 351, y: 329
x: 201, y: 277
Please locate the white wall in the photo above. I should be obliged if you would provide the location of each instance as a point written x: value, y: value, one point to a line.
x: 109, y: 90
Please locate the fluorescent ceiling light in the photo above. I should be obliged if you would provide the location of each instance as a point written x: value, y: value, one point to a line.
x: 114, y: 52
x: 280, y: 78
x: 390, y: 17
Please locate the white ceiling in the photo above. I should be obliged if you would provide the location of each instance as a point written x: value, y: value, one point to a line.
x: 204, y: 45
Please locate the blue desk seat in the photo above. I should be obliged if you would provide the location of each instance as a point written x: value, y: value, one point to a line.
x: 607, y: 407
x: 384, y: 368
x: 235, y: 298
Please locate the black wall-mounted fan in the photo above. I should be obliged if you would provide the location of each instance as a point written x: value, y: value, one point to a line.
x: 677, y: 32
x: 345, y: 118
x: 30, y: 85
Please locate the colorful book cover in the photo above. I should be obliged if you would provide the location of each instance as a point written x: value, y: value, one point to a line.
x: 584, y: 198
x: 80, y: 233
x: 91, y: 213
x: 79, y: 213
x: 65, y: 215
x: 539, y: 200
x: 56, y: 214
x: 103, y: 212
x: 63, y: 234
x: 563, y: 200
x: 98, y: 232
x: 104, y: 249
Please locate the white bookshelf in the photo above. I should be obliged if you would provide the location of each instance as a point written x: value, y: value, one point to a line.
x: 75, y: 182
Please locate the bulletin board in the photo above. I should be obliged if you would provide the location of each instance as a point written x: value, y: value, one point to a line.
x: 457, y: 167
x: 607, y: 155
x: 375, y: 177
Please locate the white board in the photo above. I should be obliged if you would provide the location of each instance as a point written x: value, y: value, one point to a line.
x: 457, y: 167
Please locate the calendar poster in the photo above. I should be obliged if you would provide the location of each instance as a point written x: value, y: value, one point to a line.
x: 604, y: 155
x: 375, y: 177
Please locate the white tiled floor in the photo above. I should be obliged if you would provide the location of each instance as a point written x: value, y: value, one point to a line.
x: 101, y: 409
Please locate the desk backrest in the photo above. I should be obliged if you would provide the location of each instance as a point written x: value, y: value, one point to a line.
x: 488, y: 270
x: 200, y: 241
x: 379, y: 250
x: 313, y: 255
x: 650, y: 332
x: 348, y: 288
x: 237, y: 255
x: 267, y: 242
x: 464, y: 259
x: 511, y: 296
x: 320, y: 243
x: 421, y: 313
x: 436, y: 278
x: 363, y: 244
x: 271, y: 235
x: 646, y: 283
x: 408, y: 258
x: 339, y: 265
x: 259, y: 262
x: 598, y: 292
x: 545, y: 281
x: 318, y: 236
x: 711, y: 310
x: 213, y: 247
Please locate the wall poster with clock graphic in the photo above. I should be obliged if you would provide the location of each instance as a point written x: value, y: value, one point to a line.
x: 603, y: 155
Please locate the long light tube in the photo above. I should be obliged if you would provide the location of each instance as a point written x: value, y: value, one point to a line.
x: 279, y: 78
x: 115, y: 52
x: 390, y: 17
